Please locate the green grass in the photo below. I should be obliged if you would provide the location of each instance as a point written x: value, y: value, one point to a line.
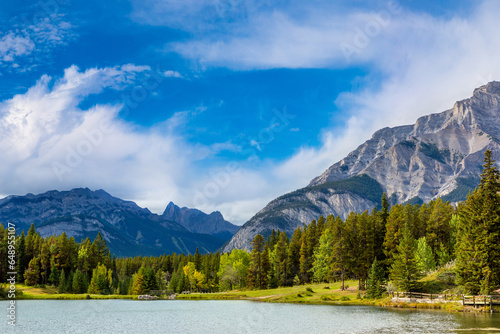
x: 48, y: 292
x: 323, y: 293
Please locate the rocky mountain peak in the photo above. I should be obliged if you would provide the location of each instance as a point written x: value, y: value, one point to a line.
x: 440, y: 156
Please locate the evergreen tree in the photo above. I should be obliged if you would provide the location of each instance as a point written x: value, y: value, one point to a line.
x: 100, y: 282
x: 304, y: 261
x: 322, y: 257
x: 80, y: 283
x: 259, y: 264
x: 22, y: 257
x: 376, y: 280
x: 424, y: 257
x: 281, y: 258
x: 404, y: 271
x: 33, y: 272
x: 339, y: 253
x: 138, y: 282
x: 294, y: 253
x: 197, y: 259
x: 443, y: 255
x: 478, y: 244
x: 62, y: 282
x: 438, y: 229
x: 45, y: 262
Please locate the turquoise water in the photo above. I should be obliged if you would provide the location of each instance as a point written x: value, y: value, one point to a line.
x: 129, y: 316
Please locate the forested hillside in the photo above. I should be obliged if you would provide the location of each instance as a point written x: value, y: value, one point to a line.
x: 397, y: 244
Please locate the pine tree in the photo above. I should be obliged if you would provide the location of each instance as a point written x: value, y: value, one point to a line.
x: 32, y: 273
x: 322, y: 257
x: 478, y: 235
x: 438, y: 229
x: 197, y: 259
x: 100, y: 282
x: 339, y: 253
x: 424, y: 257
x: 281, y: 258
x: 304, y: 259
x: 22, y: 257
x: 259, y: 264
x: 294, y: 253
x: 376, y: 280
x: 139, y: 285
x: 62, y: 283
x: 45, y: 262
x: 404, y: 271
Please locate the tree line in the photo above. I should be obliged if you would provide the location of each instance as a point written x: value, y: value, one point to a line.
x: 398, y: 243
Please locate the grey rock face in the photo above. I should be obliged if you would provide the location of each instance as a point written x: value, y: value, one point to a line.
x: 441, y: 155
x: 199, y: 222
x: 128, y: 229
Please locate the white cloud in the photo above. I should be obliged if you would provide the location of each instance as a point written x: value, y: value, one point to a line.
x: 13, y: 46
x: 172, y: 74
x: 48, y: 142
x: 33, y: 41
x: 418, y: 64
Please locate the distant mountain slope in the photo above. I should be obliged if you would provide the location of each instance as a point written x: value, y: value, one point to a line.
x: 128, y: 228
x: 198, y: 222
x: 439, y: 156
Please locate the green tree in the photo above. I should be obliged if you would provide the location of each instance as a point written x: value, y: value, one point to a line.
x: 304, y: 261
x: 478, y: 236
x: 376, y: 280
x: 62, y: 283
x: 294, y: 253
x: 404, y: 271
x: 33, y: 272
x: 100, y: 282
x: 322, y: 257
x: 259, y: 264
x: 233, y: 269
x: 339, y: 252
x: 80, y: 282
x: 424, y: 256
x: 280, y: 256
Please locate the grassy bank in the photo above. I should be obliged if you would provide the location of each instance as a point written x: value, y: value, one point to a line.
x: 30, y: 292
x: 324, y: 293
x: 308, y: 294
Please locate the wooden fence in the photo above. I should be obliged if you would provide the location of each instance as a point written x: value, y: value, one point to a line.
x: 482, y: 300
x: 431, y: 296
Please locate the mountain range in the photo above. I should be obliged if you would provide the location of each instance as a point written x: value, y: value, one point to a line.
x: 128, y: 229
x: 440, y: 156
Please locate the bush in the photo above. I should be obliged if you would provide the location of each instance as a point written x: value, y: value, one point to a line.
x: 309, y: 290
x: 344, y: 298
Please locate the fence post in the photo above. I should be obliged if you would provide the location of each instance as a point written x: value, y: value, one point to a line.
x: 463, y: 300
x: 491, y: 302
x: 474, y: 301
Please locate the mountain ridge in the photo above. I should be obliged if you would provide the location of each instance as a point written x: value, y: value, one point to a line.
x: 129, y: 229
x: 440, y: 155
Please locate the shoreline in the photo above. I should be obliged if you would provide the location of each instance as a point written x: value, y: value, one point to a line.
x: 312, y: 294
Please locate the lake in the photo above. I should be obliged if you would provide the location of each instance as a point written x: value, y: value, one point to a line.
x: 165, y: 316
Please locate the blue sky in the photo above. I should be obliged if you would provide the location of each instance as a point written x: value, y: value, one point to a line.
x: 221, y: 104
